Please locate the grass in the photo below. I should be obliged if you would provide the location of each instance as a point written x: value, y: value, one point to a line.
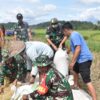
x: 40, y: 31
x: 92, y: 38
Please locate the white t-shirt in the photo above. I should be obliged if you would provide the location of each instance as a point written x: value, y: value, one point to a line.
x: 36, y: 48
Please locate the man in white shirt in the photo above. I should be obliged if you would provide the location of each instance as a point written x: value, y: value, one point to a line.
x: 30, y: 51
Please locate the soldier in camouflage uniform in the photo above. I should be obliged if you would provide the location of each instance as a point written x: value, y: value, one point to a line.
x: 22, y: 31
x: 53, y: 85
x: 9, y: 70
x: 55, y: 36
x: 13, y: 68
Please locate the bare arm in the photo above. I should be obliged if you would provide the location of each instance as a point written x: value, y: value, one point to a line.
x: 15, y: 37
x: 75, y: 56
x: 30, y: 34
x: 2, y: 35
x: 52, y: 44
x: 62, y: 42
x: 2, y: 40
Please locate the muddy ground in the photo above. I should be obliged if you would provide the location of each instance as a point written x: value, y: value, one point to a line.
x: 95, y: 74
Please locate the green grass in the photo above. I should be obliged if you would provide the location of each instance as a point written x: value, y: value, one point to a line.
x: 40, y: 31
x: 88, y: 32
x: 92, y: 38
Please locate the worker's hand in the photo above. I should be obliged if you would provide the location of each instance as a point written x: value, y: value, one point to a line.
x: 60, y: 46
x: 32, y: 79
x: 25, y: 97
x: 15, y: 82
x: 71, y: 65
x: 55, y: 48
x: 1, y: 89
x: 30, y: 38
x: 68, y: 51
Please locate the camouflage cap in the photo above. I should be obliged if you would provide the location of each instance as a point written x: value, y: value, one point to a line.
x: 54, y: 21
x: 42, y: 61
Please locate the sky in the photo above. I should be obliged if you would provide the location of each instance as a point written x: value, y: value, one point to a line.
x: 37, y: 11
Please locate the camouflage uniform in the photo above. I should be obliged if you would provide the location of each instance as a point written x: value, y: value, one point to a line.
x: 58, y: 87
x: 21, y: 31
x: 22, y: 70
x: 13, y: 70
x: 9, y: 70
x: 55, y: 35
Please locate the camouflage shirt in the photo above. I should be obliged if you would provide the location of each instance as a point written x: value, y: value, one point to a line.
x: 55, y: 35
x: 58, y: 87
x: 21, y: 31
x: 13, y: 70
x: 9, y: 70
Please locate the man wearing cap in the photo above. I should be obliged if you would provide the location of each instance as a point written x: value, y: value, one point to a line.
x: 22, y: 30
x: 54, y: 35
x: 53, y: 85
x: 30, y: 51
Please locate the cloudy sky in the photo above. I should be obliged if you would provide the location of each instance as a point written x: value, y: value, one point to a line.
x: 36, y: 11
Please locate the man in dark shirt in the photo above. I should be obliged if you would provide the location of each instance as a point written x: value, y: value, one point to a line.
x: 22, y: 30
x: 54, y: 35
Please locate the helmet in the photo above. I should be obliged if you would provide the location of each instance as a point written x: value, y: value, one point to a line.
x: 42, y: 61
x: 19, y: 16
x: 54, y: 22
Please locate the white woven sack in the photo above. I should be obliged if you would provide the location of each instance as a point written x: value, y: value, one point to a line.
x: 61, y: 61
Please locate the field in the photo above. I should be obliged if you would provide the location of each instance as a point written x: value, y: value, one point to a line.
x: 91, y: 36
x: 93, y: 40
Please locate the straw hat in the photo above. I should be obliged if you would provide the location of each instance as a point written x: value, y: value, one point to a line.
x: 14, y: 47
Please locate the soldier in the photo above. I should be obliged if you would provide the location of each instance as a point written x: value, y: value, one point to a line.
x: 12, y: 68
x: 54, y: 35
x: 22, y: 31
x: 53, y: 85
x: 30, y: 51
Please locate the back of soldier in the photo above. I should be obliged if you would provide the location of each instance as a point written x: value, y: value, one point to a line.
x: 21, y: 31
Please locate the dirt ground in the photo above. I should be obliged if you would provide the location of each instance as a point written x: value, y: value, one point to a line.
x: 95, y: 74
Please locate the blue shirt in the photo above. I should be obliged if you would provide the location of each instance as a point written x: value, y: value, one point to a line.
x: 85, y: 54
